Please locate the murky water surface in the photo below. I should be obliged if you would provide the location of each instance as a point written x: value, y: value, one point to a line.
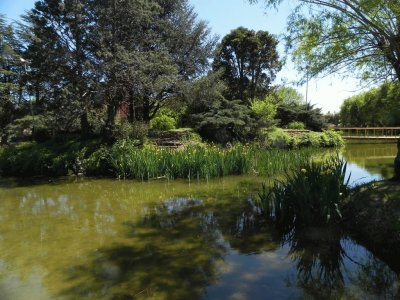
x: 107, y: 239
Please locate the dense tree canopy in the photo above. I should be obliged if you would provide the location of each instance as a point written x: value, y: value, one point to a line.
x: 12, y: 69
x: 334, y: 35
x: 377, y: 107
x: 215, y: 117
x: 96, y: 56
x: 249, y: 61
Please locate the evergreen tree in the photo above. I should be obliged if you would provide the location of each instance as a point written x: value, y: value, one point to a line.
x: 12, y: 93
x: 62, y: 61
x: 250, y: 62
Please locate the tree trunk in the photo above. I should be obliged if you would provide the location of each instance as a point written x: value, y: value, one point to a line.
x: 397, y: 163
x: 108, y: 132
x: 85, y: 126
x: 132, y: 110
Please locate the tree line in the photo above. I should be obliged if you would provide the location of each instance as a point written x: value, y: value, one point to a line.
x: 376, y: 107
x: 77, y: 66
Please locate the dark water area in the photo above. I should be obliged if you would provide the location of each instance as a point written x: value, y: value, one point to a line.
x: 108, y: 239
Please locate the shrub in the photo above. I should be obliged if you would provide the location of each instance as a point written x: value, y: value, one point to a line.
x: 265, y: 110
x: 163, y: 122
x: 131, y: 131
x: 312, y: 195
x: 56, y: 157
x: 23, y: 128
x: 278, y: 138
x: 296, y: 125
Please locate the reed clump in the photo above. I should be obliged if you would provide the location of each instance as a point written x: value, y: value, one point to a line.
x: 312, y: 195
x: 126, y: 160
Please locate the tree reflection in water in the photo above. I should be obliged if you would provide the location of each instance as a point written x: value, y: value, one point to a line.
x: 327, y: 270
x: 172, y: 255
x: 175, y: 250
x: 319, y: 258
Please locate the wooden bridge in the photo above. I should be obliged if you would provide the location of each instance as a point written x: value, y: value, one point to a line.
x: 388, y: 134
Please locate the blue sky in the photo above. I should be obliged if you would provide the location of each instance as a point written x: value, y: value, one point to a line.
x: 225, y: 15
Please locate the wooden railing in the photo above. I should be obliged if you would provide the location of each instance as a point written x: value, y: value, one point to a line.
x: 370, y: 132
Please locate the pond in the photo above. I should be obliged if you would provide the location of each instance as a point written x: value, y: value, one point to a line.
x: 108, y: 239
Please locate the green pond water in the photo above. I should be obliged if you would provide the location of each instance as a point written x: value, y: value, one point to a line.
x: 108, y: 239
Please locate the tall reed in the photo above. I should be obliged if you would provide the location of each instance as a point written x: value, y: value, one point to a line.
x: 126, y: 160
x: 312, y: 195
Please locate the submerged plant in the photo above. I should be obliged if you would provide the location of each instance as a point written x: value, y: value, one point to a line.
x: 312, y: 195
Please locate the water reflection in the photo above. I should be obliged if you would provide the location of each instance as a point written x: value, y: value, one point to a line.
x: 171, y: 240
x: 186, y: 248
x: 370, y: 161
x: 171, y: 255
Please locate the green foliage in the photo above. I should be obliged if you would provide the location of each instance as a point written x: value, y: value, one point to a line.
x: 278, y: 138
x: 296, y: 125
x: 84, y: 71
x: 213, y: 116
x: 264, y: 109
x: 376, y: 107
x: 312, y: 195
x: 131, y: 131
x: 125, y: 160
x: 12, y: 81
x: 249, y: 62
x: 56, y: 157
x: 163, y: 122
x: 311, y: 116
x: 331, y: 36
x: 288, y: 96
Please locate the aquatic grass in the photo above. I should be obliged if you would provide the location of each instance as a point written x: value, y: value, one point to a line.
x: 312, y: 195
x: 126, y: 160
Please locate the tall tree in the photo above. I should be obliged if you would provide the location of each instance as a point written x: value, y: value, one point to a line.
x: 11, y: 76
x: 127, y: 51
x: 250, y: 62
x: 184, y: 48
x: 61, y: 59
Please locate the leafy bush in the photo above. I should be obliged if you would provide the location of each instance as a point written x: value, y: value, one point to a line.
x: 56, y: 157
x: 313, y: 195
x: 265, y: 110
x: 296, y: 125
x: 131, y: 131
x: 23, y: 128
x: 278, y: 138
x: 163, y: 122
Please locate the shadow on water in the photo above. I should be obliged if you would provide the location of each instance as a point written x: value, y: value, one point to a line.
x: 177, y: 247
x: 171, y: 256
x: 174, y: 251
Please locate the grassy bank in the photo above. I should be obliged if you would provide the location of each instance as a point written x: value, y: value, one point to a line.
x: 127, y: 160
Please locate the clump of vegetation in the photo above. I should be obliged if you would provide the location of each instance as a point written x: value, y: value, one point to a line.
x: 163, y: 122
x: 131, y: 131
x: 312, y: 195
x: 126, y: 160
x: 56, y: 157
x: 278, y: 138
x: 296, y: 125
x: 265, y: 110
